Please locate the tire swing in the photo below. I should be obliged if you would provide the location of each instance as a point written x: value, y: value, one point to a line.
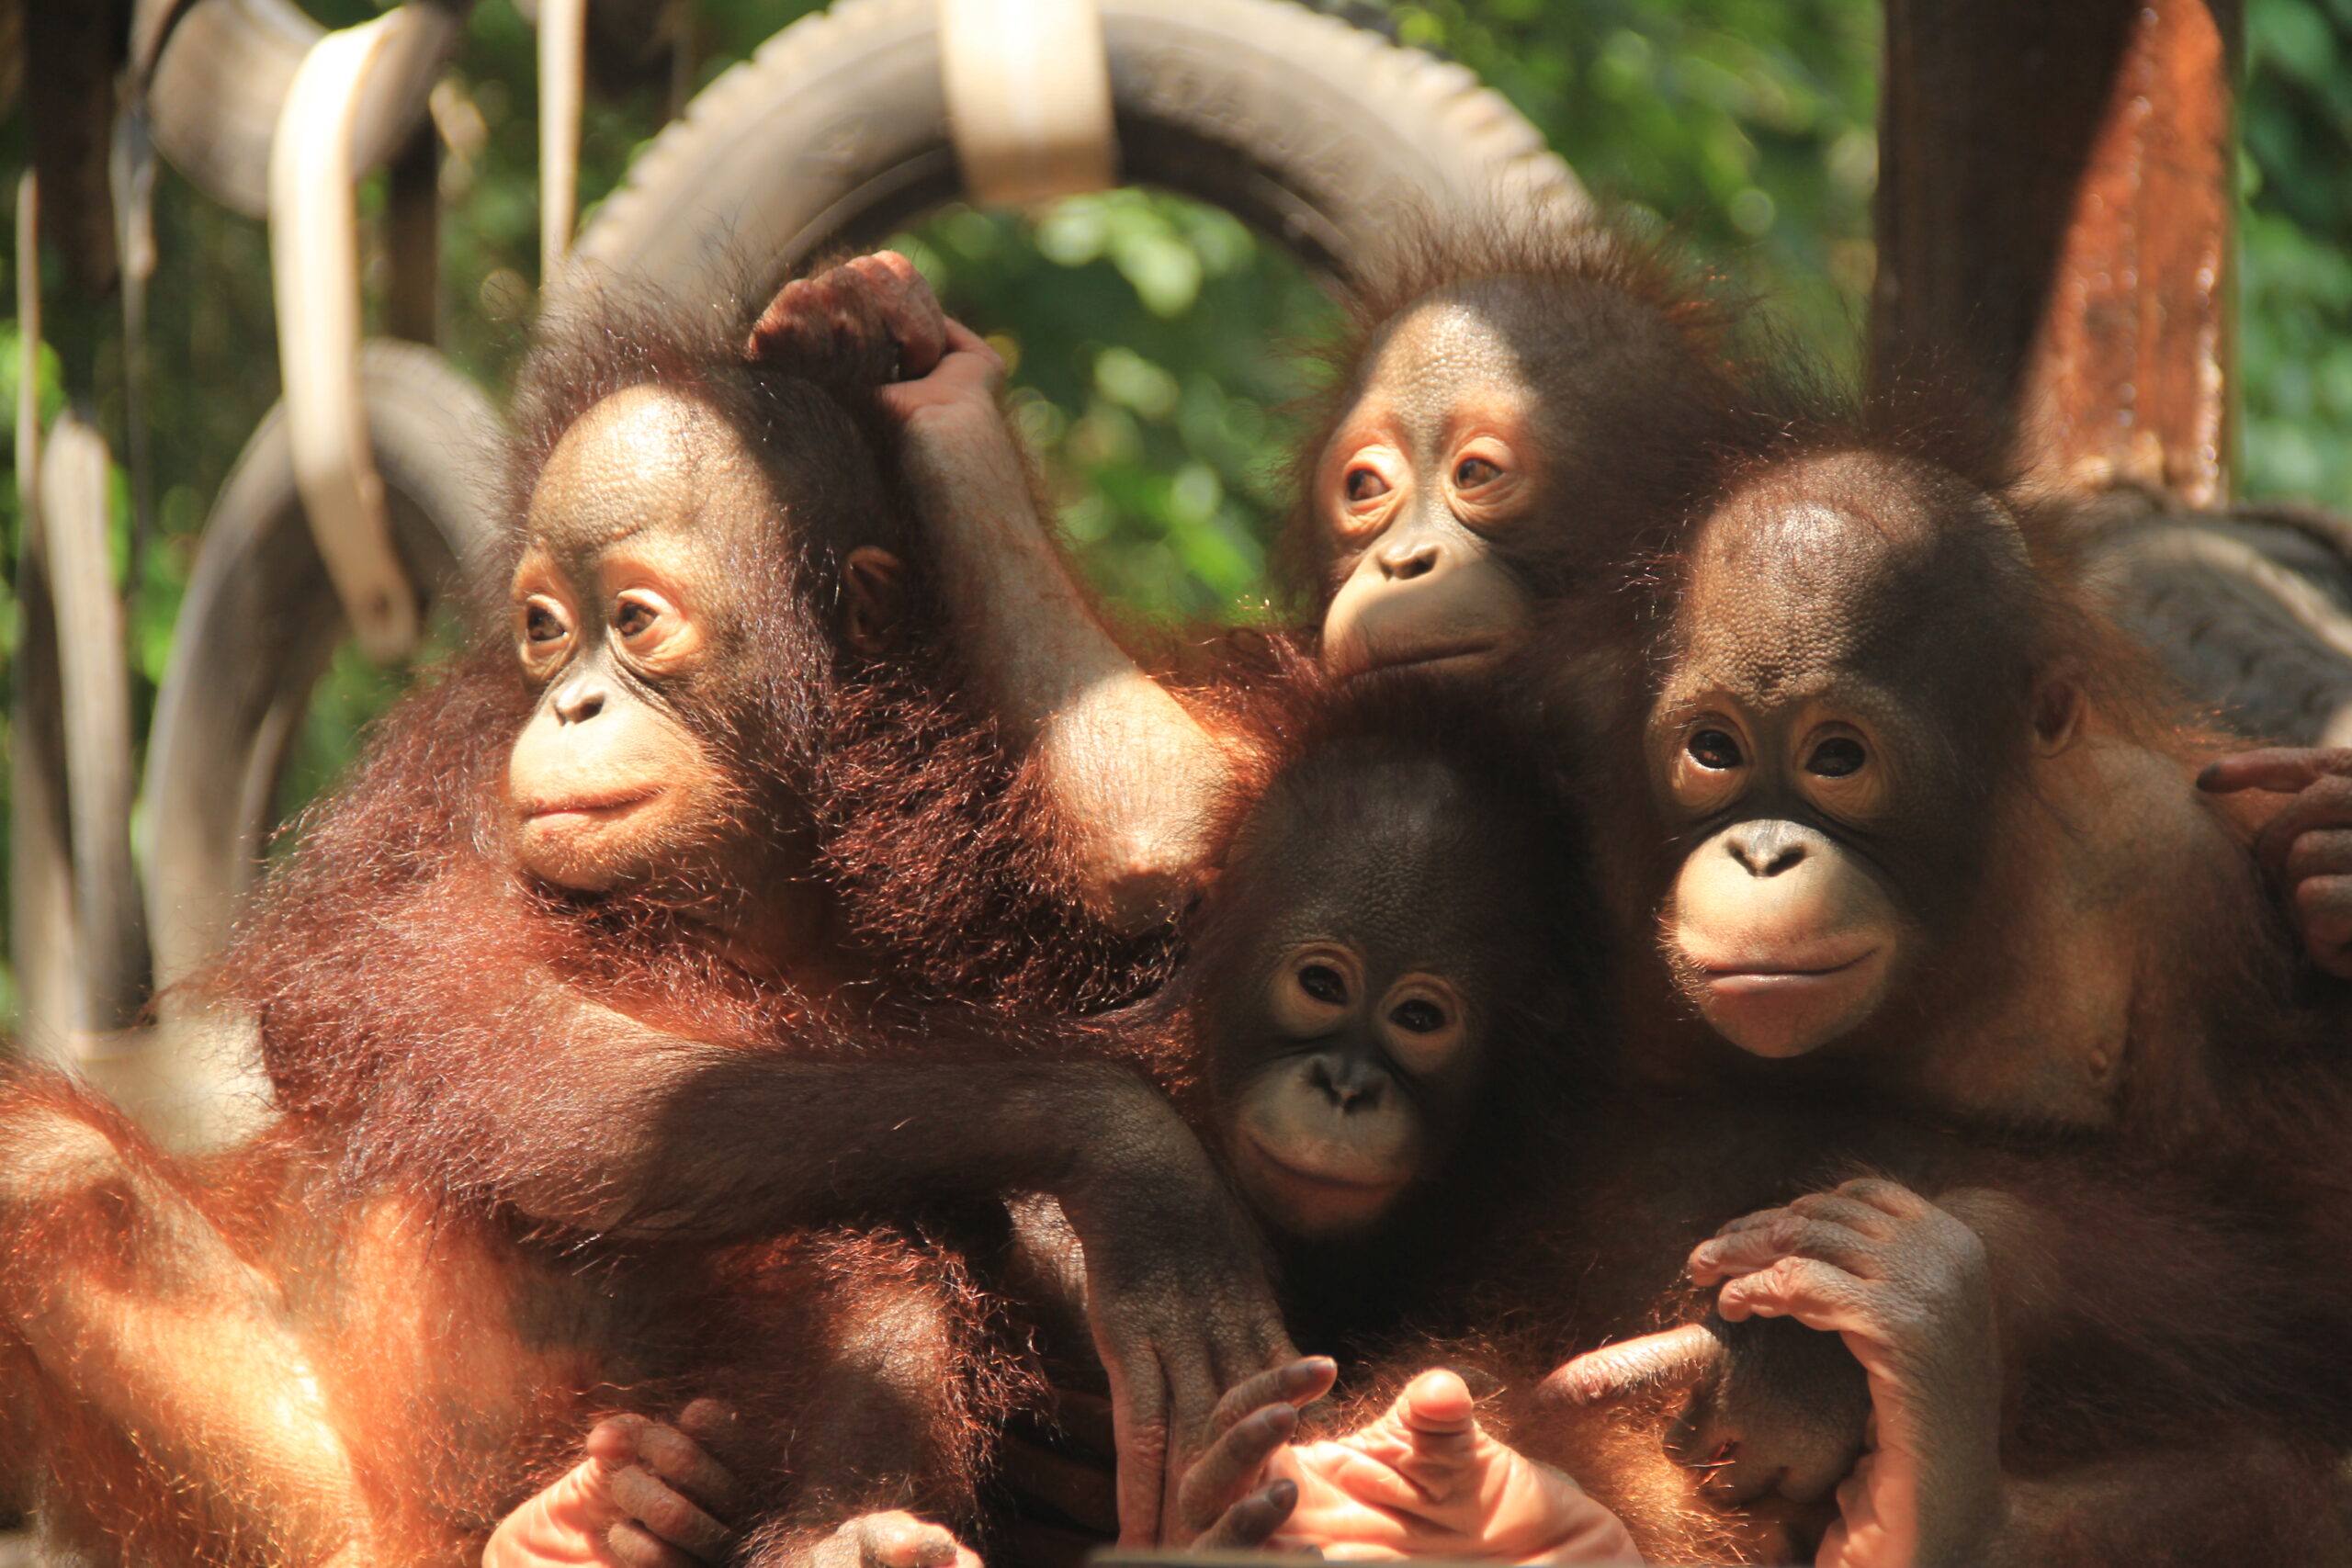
x: 836, y: 132
x: 1319, y: 133
x: 260, y: 623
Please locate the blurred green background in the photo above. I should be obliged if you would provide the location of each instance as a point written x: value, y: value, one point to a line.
x: 1148, y: 333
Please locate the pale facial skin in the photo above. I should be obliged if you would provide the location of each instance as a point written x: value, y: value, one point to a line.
x: 1324, y: 1139
x: 1795, y: 738
x: 1440, y: 456
x: 618, y: 596
x: 1350, y: 1051
x: 625, y: 606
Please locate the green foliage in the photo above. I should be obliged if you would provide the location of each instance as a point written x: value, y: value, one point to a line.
x: 1743, y: 126
x: 1149, y: 337
x: 1152, y: 387
x: 2295, y: 253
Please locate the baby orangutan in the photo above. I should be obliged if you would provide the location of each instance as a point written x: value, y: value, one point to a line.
x: 1519, y: 416
x: 592, y: 1096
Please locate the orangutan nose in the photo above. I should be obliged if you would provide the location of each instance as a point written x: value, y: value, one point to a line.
x: 1767, y: 849
x: 1404, y: 563
x: 581, y: 699
x: 1349, y: 1085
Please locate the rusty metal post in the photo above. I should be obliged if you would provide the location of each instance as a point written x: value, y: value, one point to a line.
x: 2056, y: 186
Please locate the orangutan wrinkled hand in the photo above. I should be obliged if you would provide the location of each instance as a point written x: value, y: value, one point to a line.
x: 2305, y: 845
x: 1907, y: 1286
x: 645, y: 1495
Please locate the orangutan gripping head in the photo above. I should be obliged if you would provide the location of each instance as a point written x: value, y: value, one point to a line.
x: 662, y: 542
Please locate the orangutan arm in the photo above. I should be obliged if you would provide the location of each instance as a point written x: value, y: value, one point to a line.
x: 639, y: 1131
x: 604, y: 1125
x: 1131, y: 774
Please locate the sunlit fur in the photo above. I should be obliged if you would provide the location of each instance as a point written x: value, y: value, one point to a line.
x: 405, y: 980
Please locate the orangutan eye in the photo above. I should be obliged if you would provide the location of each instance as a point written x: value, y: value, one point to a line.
x: 1838, y: 757
x: 1323, y: 983
x: 1472, y: 472
x: 1419, y: 1016
x: 1366, y: 484
x: 1713, y: 748
x: 635, y: 617
x: 542, y: 624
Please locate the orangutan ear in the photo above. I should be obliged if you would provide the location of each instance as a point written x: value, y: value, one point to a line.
x: 874, y: 600
x: 2059, y: 707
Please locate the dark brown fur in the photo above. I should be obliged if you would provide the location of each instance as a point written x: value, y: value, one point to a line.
x: 1678, y: 381
x: 2168, y: 1326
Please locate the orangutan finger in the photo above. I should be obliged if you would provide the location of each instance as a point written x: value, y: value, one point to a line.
x: 1301, y: 1381
x: 1140, y: 1420
x: 1890, y: 1198
x: 2317, y: 851
x: 1230, y: 1465
x: 1248, y: 1524
x: 1841, y: 1207
x: 636, y: 1547
x: 1819, y: 1295
x: 664, y: 1510
x: 718, y: 1429
x: 962, y: 339
x: 1753, y: 1220
x: 1792, y: 1236
x: 2324, y: 805
x: 2276, y: 769
x: 909, y: 310
x: 1676, y: 1358
x: 2323, y: 910
x: 679, y: 1460
x: 612, y: 1442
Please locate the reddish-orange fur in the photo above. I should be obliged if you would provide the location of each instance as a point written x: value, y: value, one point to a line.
x: 403, y: 978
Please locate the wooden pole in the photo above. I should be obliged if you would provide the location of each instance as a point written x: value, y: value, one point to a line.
x: 2056, y: 186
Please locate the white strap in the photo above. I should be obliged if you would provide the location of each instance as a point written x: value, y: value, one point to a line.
x: 95, y: 681
x: 1028, y: 88
x: 314, y: 266
x: 28, y: 349
x: 562, y: 32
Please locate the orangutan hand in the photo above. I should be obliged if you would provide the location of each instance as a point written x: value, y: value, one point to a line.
x: 859, y: 326
x: 1425, y: 1479
x: 2306, y: 847
x: 647, y: 1495
x: 956, y: 454
x: 890, y: 1539
x: 1225, y: 1500
x: 1907, y: 1288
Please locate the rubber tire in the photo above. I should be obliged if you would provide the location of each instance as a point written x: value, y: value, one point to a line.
x: 216, y: 74
x: 2250, y: 611
x: 834, y: 133
x: 260, y: 623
